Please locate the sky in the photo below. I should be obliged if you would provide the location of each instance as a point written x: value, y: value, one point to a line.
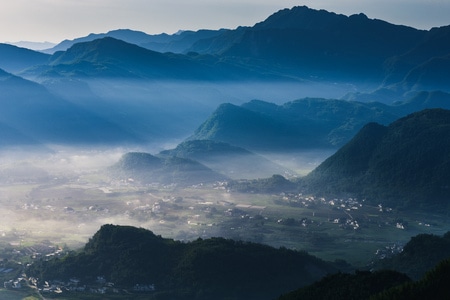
x: 56, y: 20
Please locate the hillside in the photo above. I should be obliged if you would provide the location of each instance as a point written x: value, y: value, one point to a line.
x: 348, y: 47
x: 356, y: 49
x: 434, y: 44
x: 111, y: 58
x: 425, y: 259
x: 422, y: 253
x: 177, y: 43
x: 128, y: 93
x: 202, y: 269
x: 38, y: 116
x: 404, y: 165
x: 234, y: 162
x: 301, y: 124
x: 14, y: 59
x: 358, y: 286
x: 146, y: 168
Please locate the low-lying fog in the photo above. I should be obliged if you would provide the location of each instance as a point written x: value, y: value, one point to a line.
x: 65, y: 196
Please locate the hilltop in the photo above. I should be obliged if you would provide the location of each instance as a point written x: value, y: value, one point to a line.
x: 146, y: 168
x: 404, y: 164
x: 201, y: 269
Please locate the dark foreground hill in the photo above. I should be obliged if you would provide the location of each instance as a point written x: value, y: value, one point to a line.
x: 146, y: 168
x: 214, y: 268
x: 422, y: 253
x: 425, y: 259
x: 404, y: 165
x: 380, y: 285
x: 358, y: 286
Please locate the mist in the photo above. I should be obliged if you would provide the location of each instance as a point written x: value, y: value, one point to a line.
x: 153, y: 111
x: 66, y: 194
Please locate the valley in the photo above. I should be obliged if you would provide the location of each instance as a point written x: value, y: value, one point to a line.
x: 330, y: 228
x: 227, y: 164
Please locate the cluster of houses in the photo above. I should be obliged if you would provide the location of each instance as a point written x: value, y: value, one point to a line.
x: 100, y: 286
x: 389, y: 251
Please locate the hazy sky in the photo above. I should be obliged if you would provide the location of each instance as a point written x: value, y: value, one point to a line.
x: 56, y: 20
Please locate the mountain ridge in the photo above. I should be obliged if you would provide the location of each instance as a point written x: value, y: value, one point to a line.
x: 201, y: 269
x: 404, y: 165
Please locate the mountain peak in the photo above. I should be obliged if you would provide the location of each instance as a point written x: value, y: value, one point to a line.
x: 403, y: 165
x: 300, y: 17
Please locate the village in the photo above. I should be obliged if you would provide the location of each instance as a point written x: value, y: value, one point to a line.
x: 293, y: 220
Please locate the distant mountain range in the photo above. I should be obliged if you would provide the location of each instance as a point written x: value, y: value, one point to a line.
x: 37, y: 46
x: 14, y: 59
x: 305, y: 123
x: 403, y: 165
x: 302, y: 43
x: 176, y: 43
x: 114, y: 83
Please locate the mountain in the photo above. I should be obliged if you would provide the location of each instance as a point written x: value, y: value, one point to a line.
x: 213, y: 268
x: 433, y: 285
x: 112, y: 58
x: 38, y: 116
x: 176, y: 43
x: 109, y: 57
x: 319, y: 43
x: 434, y: 74
x: 423, y: 100
x: 180, y: 42
x: 233, y: 162
x: 301, y: 124
x: 434, y: 44
x: 14, y: 59
x: 291, y: 44
x: 147, y: 168
x: 422, y: 253
x: 425, y: 258
x: 404, y: 165
x: 242, y: 127
x: 36, y: 46
x: 341, y: 286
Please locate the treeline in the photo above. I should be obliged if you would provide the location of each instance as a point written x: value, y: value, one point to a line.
x: 380, y: 285
x: 213, y: 268
x: 424, y: 259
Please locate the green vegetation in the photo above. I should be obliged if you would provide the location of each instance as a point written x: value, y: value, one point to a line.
x: 358, y: 286
x: 434, y: 285
x: 420, y: 254
x: 404, y: 165
x: 425, y: 258
x: 202, y: 269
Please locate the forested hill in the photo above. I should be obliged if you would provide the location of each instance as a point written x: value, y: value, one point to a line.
x: 425, y: 259
x: 406, y: 164
x: 213, y: 268
x: 146, y: 168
